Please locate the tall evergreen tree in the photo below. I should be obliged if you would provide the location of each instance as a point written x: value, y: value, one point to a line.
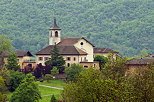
x: 5, y: 45
x: 53, y: 99
x: 56, y: 59
x: 12, y: 61
x: 27, y: 91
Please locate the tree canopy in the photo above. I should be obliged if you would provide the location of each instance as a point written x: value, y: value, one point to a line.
x: 27, y: 91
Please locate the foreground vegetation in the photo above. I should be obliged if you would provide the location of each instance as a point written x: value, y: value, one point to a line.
x: 47, y: 92
x: 112, y: 84
x: 123, y: 25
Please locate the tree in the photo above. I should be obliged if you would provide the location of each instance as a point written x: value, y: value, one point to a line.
x: 27, y: 91
x: 90, y: 86
x: 53, y: 99
x: 5, y: 45
x: 5, y: 74
x: 143, y: 84
x: 2, y: 85
x: 115, y: 68
x: 12, y: 62
x: 48, y: 77
x: 54, y: 71
x: 15, y: 80
x: 73, y: 71
x: 56, y: 59
x: 101, y: 59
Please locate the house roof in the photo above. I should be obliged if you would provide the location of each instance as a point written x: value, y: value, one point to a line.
x: 140, y: 61
x: 23, y: 53
x: 64, y: 50
x: 103, y: 50
x: 70, y: 41
x: 18, y: 53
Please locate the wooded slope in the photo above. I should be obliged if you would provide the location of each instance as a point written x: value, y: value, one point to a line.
x: 123, y: 25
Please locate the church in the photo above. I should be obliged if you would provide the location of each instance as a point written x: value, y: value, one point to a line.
x: 76, y: 50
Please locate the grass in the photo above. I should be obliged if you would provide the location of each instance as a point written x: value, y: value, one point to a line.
x: 54, y: 83
x: 47, y: 92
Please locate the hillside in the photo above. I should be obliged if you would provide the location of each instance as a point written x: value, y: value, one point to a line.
x: 123, y: 25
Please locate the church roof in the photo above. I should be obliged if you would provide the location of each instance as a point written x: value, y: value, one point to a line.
x: 70, y: 41
x: 64, y: 50
x: 55, y: 26
x: 102, y: 50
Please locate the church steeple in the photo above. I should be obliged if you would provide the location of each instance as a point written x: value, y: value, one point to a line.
x: 54, y: 34
x: 55, y: 26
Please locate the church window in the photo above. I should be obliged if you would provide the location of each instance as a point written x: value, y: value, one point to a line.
x: 46, y: 58
x: 85, y: 59
x: 74, y: 58
x: 56, y: 34
x: 68, y: 58
x: 40, y: 58
x: 68, y: 64
x: 81, y: 43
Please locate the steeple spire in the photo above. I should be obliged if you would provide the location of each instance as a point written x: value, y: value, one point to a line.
x: 55, y: 26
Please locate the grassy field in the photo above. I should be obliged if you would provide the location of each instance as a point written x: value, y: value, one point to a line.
x: 47, y: 92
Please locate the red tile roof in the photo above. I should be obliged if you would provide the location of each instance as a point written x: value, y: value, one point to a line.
x: 103, y: 50
x: 140, y: 61
x: 18, y: 53
x: 64, y: 50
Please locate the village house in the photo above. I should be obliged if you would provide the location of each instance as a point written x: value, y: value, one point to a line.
x: 134, y: 64
x: 23, y: 57
x: 73, y: 49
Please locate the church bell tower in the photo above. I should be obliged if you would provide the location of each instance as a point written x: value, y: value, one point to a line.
x: 54, y: 34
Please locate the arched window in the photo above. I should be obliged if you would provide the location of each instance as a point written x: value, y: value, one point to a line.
x: 56, y: 34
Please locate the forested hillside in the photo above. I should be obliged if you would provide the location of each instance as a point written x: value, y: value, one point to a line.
x: 123, y: 25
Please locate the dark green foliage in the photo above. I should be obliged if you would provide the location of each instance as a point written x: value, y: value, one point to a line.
x: 27, y: 91
x: 12, y: 61
x: 2, y: 85
x: 101, y: 59
x: 56, y: 60
x: 123, y: 25
x: 5, y: 45
x: 54, y: 71
x: 15, y: 80
x: 48, y: 77
x: 53, y: 99
x: 73, y: 71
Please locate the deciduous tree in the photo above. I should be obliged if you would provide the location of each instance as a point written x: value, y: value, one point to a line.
x: 73, y: 71
x: 15, y: 80
x: 27, y: 91
x: 101, y: 59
